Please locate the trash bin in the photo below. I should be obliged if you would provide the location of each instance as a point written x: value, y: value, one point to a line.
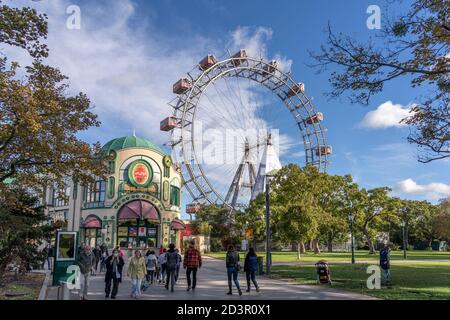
x: 260, y: 265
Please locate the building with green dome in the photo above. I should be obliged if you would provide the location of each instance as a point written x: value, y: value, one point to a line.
x: 137, y: 206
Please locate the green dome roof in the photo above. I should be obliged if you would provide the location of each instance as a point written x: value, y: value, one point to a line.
x: 130, y: 142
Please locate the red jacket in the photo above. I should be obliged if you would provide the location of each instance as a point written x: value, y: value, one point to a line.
x: 192, y: 258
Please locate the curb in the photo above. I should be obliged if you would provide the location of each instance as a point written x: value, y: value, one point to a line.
x: 45, y: 283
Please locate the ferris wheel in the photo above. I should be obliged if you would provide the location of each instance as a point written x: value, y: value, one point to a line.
x: 224, y: 112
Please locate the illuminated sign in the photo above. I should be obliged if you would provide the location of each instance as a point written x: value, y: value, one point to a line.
x: 140, y: 174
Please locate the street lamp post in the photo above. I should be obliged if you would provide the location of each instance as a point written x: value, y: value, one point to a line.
x: 351, y: 218
x: 268, y: 262
x: 403, y: 224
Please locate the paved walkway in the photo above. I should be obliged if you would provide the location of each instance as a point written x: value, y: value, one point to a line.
x: 212, y: 285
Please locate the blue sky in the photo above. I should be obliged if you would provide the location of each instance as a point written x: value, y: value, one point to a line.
x: 128, y: 53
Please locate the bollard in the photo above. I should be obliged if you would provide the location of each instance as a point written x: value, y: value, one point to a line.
x: 63, y: 291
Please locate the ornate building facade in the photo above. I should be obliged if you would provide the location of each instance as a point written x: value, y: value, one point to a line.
x: 137, y: 206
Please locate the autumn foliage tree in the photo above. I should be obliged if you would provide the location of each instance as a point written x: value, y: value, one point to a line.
x: 39, y: 121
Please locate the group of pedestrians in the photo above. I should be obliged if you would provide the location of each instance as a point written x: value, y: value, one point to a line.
x: 233, y: 267
x: 164, y: 268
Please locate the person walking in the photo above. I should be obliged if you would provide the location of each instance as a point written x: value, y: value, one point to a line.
x: 136, y: 271
x: 232, y: 264
x: 250, y: 266
x: 180, y: 259
x: 152, y: 262
x: 172, y: 261
x: 48, y: 254
x: 162, y: 263
x: 114, y: 265
x: 103, y: 260
x: 86, y: 262
x: 97, y: 255
x: 192, y: 261
x: 385, y: 263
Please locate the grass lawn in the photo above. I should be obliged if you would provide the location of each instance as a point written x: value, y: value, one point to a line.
x: 362, y: 255
x: 419, y: 280
x: 26, y: 288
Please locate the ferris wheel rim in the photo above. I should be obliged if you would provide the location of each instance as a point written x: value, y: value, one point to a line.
x: 283, y: 77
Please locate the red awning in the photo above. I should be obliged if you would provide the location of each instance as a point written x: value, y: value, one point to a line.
x: 177, y: 224
x: 92, y: 222
x: 138, y: 209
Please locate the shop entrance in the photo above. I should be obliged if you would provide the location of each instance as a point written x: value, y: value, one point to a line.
x: 137, y: 225
x: 92, y: 231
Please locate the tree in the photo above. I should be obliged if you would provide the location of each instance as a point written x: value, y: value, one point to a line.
x: 441, y: 222
x: 221, y: 228
x: 333, y: 198
x: 253, y: 219
x: 418, y: 217
x: 414, y: 46
x: 39, y: 122
x: 373, y: 210
x: 23, y: 226
x: 294, y: 204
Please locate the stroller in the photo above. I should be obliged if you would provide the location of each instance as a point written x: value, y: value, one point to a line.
x: 323, y: 272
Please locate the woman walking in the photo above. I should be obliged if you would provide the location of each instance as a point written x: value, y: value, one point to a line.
x: 162, y: 263
x: 232, y: 264
x: 114, y: 265
x: 250, y: 266
x: 136, y: 271
x: 172, y: 261
x: 152, y: 262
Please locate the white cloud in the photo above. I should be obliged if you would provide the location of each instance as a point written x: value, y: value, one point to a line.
x: 128, y: 71
x: 386, y: 115
x: 434, y: 190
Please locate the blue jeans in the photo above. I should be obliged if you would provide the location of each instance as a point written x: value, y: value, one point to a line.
x: 386, y: 274
x: 136, y: 287
x: 232, y: 272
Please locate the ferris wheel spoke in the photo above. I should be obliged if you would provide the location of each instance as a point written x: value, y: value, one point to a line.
x: 240, y: 97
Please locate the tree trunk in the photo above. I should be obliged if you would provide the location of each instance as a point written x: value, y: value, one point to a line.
x: 330, y: 243
x: 309, y: 245
x: 298, y: 251
x: 369, y: 242
x: 316, y: 247
x: 302, y: 247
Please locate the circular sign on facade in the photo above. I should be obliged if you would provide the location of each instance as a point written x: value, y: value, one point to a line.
x: 140, y: 174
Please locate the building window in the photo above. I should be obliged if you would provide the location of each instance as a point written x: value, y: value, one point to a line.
x: 95, y: 194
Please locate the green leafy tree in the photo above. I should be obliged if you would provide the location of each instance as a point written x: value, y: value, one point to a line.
x: 441, y: 221
x: 374, y: 209
x: 221, y: 227
x: 333, y: 224
x: 253, y: 218
x: 23, y: 226
x: 413, y: 46
x: 295, y: 205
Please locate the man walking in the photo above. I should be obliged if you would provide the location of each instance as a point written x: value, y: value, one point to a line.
x: 114, y: 265
x: 192, y: 261
x: 85, y: 261
x: 385, y: 263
